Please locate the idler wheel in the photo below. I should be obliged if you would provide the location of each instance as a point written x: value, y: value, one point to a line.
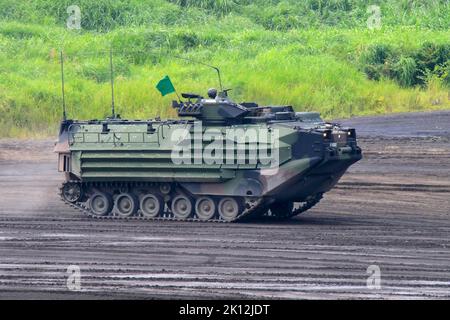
x: 101, y: 203
x: 229, y: 208
x: 181, y: 207
x: 126, y: 204
x: 205, y: 208
x: 72, y: 192
x: 281, y: 209
x: 151, y: 205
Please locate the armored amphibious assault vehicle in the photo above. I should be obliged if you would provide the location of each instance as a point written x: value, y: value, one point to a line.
x: 219, y: 161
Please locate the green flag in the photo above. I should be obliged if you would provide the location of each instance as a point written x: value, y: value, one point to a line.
x: 165, y: 86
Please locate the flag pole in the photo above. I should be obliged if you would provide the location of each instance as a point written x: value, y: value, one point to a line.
x: 179, y: 99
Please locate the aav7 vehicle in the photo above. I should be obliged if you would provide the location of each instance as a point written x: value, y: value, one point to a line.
x: 220, y: 161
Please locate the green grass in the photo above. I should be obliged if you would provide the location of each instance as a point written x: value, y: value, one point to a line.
x: 313, y: 54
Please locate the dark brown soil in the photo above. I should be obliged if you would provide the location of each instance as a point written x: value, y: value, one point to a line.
x: 392, y: 209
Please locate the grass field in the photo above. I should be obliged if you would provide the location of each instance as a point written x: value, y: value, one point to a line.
x: 314, y: 54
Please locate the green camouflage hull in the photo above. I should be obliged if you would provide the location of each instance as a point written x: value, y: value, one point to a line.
x: 114, y: 165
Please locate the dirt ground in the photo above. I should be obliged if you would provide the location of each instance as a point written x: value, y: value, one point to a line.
x: 392, y: 210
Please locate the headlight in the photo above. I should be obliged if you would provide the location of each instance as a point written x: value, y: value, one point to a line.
x: 327, y: 134
x: 351, y: 133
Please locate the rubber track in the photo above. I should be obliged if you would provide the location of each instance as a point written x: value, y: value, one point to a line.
x: 308, y: 205
x: 85, y: 210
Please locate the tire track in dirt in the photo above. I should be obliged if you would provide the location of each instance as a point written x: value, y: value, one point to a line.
x: 391, y: 209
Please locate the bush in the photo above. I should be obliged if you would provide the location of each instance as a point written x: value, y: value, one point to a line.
x: 376, y: 61
x: 432, y: 58
x: 405, y: 71
x: 407, y: 67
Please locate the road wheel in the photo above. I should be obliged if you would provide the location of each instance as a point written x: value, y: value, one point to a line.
x: 281, y: 209
x: 205, y: 208
x: 152, y: 205
x: 72, y: 192
x: 101, y: 203
x: 229, y: 208
x: 126, y: 204
x: 181, y: 207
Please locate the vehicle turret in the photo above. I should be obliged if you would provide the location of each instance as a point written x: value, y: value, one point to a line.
x: 217, y: 109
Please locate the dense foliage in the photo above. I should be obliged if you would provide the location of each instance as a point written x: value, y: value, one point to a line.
x: 313, y: 54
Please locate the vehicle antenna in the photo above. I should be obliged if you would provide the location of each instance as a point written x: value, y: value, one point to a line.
x: 112, y: 82
x: 62, y: 86
x: 205, y: 64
